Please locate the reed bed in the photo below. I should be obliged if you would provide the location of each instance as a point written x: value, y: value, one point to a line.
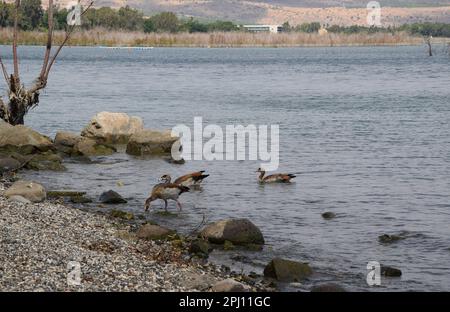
x: 103, y: 37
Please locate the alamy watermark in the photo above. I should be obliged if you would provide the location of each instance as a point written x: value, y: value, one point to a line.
x: 73, y: 273
x: 374, y: 275
x: 374, y: 15
x: 74, y: 13
x: 229, y: 143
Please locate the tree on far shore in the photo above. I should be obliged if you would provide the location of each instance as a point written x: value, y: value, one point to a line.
x: 20, y: 98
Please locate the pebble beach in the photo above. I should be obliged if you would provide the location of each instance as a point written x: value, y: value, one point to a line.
x: 39, y: 241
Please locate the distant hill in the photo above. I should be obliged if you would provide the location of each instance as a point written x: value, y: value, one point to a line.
x: 340, y: 12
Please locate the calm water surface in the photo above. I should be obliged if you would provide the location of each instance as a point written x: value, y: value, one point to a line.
x: 367, y: 129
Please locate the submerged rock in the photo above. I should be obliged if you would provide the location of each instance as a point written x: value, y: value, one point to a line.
x: 122, y: 214
x: 112, y: 128
x: 389, y: 239
x: 9, y: 164
x: 46, y: 161
x: 328, y: 215
x: 200, y: 247
x: 390, y: 271
x: 287, y: 270
x: 151, y: 142
x: 32, y: 191
x: 229, y: 285
x: 66, y: 141
x: 236, y: 231
x: 112, y: 197
x: 53, y: 194
x: 80, y: 200
x: 154, y: 232
x: 328, y: 287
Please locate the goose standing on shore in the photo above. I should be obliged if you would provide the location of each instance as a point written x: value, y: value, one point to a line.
x: 274, y: 178
x: 165, y: 191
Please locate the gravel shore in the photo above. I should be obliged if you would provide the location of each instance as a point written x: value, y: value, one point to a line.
x: 38, y: 241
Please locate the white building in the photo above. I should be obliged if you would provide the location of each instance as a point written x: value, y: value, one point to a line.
x: 263, y: 28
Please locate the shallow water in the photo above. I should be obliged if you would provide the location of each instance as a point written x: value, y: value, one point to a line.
x: 367, y: 129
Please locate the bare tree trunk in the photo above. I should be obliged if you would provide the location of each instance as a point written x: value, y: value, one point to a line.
x: 20, y: 99
x: 430, y: 49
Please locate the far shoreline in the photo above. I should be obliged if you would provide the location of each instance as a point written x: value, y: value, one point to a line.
x: 124, y: 40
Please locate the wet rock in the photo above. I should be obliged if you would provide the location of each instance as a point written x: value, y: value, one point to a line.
x: 80, y: 200
x: 65, y: 141
x: 55, y: 194
x: 328, y: 215
x: 19, y: 199
x: 236, y: 231
x: 22, y: 140
x: 46, y: 161
x: 228, y: 246
x: 32, y: 191
x: 150, y: 142
x: 112, y: 197
x: 390, y: 271
x: 122, y: 214
x: 154, y: 232
x: 328, y: 287
x: 9, y: 164
x: 229, y: 285
x: 287, y: 271
x: 200, y: 247
x: 89, y: 147
x: 112, y: 128
x: 170, y: 160
x: 389, y: 239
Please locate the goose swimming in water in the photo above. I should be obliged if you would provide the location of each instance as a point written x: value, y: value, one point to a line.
x: 166, y: 191
x: 274, y: 178
x: 188, y: 180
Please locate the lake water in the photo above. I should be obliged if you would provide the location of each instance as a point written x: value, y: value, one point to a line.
x: 366, y: 129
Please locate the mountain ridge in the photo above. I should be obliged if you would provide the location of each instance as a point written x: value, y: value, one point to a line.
x: 329, y: 12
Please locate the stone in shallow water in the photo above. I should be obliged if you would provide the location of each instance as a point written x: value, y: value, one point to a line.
x: 89, y: 147
x: 328, y: 215
x: 8, y: 164
x: 111, y: 197
x: 390, y: 271
x: 287, y: 270
x: 236, y: 231
x: 151, y: 142
x: 388, y: 239
x: 22, y: 140
x: 122, y: 214
x: 112, y: 128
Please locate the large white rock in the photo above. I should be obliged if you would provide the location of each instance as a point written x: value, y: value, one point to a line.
x: 30, y: 190
x: 112, y: 128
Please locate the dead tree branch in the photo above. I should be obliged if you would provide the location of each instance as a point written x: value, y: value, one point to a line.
x: 22, y: 100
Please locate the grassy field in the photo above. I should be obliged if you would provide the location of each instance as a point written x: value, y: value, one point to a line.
x: 102, y: 37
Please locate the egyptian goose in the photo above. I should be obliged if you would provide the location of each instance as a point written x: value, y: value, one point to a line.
x: 274, y: 178
x: 166, y: 191
x: 192, y: 179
